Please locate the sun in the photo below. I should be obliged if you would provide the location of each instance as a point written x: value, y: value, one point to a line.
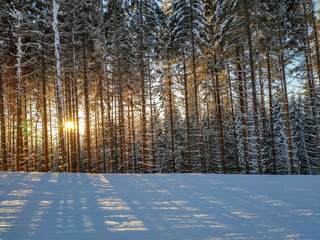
x: 69, y: 125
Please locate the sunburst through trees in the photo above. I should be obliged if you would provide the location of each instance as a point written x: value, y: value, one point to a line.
x: 160, y: 86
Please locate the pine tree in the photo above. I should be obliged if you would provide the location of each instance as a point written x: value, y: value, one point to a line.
x: 186, y: 25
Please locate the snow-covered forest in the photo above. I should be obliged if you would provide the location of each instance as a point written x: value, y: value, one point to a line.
x: 148, y: 86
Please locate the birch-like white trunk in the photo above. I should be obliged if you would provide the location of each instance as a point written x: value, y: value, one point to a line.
x: 17, y: 15
x: 58, y: 85
x: 57, y: 55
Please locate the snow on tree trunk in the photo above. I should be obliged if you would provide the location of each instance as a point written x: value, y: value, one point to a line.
x: 3, y: 129
x: 62, y: 154
x: 17, y: 15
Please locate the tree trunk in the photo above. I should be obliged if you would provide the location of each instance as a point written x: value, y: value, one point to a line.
x: 186, y: 99
x: 115, y: 128
x: 110, y: 128
x: 86, y: 104
x: 102, y: 127
x: 76, y: 105
x: 284, y: 84
x: 171, y: 123
x: 253, y: 85
x: 129, y: 138
x: 96, y: 130
x: 62, y: 151
x: 233, y: 120
x: 243, y: 110
x: 209, y: 138
x: 12, y: 133
x: 45, y: 117
x: 36, y: 146
x: 120, y: 91
x: 133, y: 137
x: 70, y: 129
x: 32, y: 134
x: 264, y: 118
x: 195, y: 88
x: 19, y: 105
x: 3, y: 124
x: 25, y: 130
x: 51, y: 137
x: 151, y: 121
x: 273, y: 149
x: 143, y: 98
x: 216, y: 85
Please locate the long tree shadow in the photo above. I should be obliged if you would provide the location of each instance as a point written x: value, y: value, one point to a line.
x: 213, y: 206
x: 190, y: 206
x: 63, y: 206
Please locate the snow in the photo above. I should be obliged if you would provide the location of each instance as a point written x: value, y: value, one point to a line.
x: 158, y: 206
x: 56, y: 41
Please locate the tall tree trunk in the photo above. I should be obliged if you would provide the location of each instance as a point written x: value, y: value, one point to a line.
x: 120, y: 91
x: 70, y: 129
x: 76, y: 104
x: 105, y: 77
x: 264, y: 118
x: 133, y: 137
x: 243, y: 110
x: 110, y: 128
x: 151, y: 120
x: 44, y: 112
x: 12, y: 130
x: 186, y: 100
x: 233, y: 120
x: 273, y: 149
x: 195, y: 87
x: 86, y: 104
x: 12, y: 133
x: 253, y: 86
x: 129, y: 138
x: 31, y: 136
x: 62, y: 151
x: 216, y: 86
x: 19, y: 96
x: 171, y: 122
x: 209, y: 138
x: 19, y: 134
x: 25, y: 130
x: 284, y: 84
x: 74, y: 134
x: 3, y: 123
x: 143, y: 95
x: 102, y: 126
x: 115, y: 125
x: 36, y: 146
x: 51, y: 137
x: 96, y: 130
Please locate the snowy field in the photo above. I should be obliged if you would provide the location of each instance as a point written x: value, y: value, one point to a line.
x: 161, y: 206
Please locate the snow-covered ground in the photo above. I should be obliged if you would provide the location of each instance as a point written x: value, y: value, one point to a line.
x: 159, y: 206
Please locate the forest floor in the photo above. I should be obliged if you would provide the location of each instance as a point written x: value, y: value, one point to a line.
x: 158, y: 206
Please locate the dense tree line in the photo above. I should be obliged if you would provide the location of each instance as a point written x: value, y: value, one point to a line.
x: 147, y: 86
